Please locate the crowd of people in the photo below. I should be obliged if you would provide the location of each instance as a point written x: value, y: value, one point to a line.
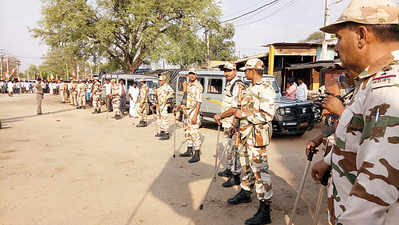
x: 295, y: 91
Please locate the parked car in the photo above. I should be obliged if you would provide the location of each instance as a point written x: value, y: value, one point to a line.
x: 291, y: 117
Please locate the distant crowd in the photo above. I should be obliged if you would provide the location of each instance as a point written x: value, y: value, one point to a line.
x: 12, y: 87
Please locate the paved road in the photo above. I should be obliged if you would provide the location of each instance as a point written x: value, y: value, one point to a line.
x: 71, y: 167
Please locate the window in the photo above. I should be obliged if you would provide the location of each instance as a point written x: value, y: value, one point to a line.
x: 215, y: 86
x: 181, y: 81
x: 202, y: 82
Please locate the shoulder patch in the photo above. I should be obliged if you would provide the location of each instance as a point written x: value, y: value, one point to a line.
x: 385, y: 81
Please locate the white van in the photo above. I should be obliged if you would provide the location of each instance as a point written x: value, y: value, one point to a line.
x: 292, y: 116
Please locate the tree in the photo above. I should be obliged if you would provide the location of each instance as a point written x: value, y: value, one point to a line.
x: 33, y: 72
x: 126, y: 32
x: 221, y: 45
x: 315, y: 37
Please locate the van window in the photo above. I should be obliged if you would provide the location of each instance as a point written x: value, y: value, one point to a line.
x: 215, y: 86
x: 150, y: 84
x: 180, y: 84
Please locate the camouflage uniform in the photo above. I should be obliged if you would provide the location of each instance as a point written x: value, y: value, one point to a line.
x: 194, y: 97
x: 74, y: 88
x: 255, y: 129
x: 116, y: 99
x: 97, y: 96
x: 342, y: 154
x: 164, y: 93
x: 143, y: 102
x: 364, y: 188
x: 376, y: 189
x: 228, y: 98
x: 81, y: 88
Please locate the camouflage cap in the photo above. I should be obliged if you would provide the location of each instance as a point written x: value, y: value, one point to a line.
x: 367, y: 12
x: 192, y: 71
x: 229, y: 66
x: 253, y: 64
x: 162, y: 77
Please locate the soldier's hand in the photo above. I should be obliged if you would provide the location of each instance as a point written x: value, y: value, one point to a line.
x: 318, y: 170
x: 217, y: 118
x: 333, y: 105
x: 194, y: 120
x: 309, y: 145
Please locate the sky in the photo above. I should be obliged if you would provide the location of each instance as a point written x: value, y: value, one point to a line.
x: 284, y: 21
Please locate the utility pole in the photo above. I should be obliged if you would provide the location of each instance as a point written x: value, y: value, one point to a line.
x: 8, y: 72
x: 207, y: 48
x: 324, y: 47
x: 1, y: 66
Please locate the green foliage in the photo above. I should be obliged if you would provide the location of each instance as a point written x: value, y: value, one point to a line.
x: 126, y: 32
x: 315, y: 37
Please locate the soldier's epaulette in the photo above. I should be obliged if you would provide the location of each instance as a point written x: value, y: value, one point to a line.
x: 386, y: 80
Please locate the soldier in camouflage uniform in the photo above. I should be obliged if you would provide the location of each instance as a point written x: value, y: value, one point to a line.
x: 232, y: 92
x: 74, y: 95
x: 142, y: 108
x: 97, y: 93
x: 164, y: 92
x: 256, y: 115
x: 62, y: 89
x: 81, y: 88
x: 191, y: 118
x: 116, y: 100
x: 366, y: 179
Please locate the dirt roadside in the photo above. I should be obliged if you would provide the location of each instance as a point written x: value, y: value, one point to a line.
x: 71, y: 167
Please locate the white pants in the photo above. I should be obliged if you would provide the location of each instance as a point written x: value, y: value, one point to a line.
x: 133, y: 109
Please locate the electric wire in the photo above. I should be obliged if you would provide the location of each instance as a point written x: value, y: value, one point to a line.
x: 252, y: 11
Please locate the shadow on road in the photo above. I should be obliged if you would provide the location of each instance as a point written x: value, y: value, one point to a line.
x: 180, y: 197
x: 19, y: 118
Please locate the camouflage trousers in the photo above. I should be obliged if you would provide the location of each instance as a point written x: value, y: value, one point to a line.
x: 230, y: 153
x: 255, y: 166
x: 162, y: 121
x: 81, y: 100
x: 65, y: 93
x: 62, y: 95
x: 192, y: 134
x: 116, y: 103
x: 142, y: 111
x: 74, y: 98
x: 97, y: 102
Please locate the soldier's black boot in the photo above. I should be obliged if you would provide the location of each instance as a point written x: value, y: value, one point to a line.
x: 118, y: 117
x: 225, y: 173
x: 164, y: 136
x: 159, y: 134
x: 144, y: 123
x: 196, y: 157
x: 141, y: 124
x: 262, y: 216
x: 241, y: 197
x: 233, y: 180
x: 188, y: 153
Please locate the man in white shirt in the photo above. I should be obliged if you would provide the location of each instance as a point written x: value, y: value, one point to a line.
x: 10, y: 88
x: 108, y: 94
x: 133, y: 95
x: 301, y: 91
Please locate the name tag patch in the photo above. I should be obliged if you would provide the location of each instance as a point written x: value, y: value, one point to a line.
x: 385, y: 81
